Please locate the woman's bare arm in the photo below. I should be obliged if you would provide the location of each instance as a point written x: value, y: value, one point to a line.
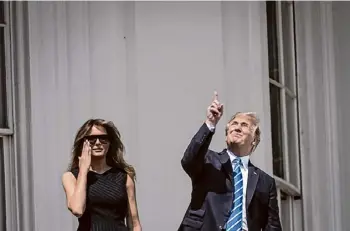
x: 133, y: 217
x: 75, y: 190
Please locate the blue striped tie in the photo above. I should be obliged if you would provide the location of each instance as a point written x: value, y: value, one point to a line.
x: 234, y: 222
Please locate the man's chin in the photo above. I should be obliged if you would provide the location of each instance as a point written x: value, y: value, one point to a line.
x: 235, y: 143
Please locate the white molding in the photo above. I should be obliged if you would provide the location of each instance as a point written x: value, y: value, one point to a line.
x: 11, y: 169
x: 9, y: 64
x: 10, y: 189
x: 6, y: 131
x: 9, y: 157
x: 331, y: 112
x: 286, y: 187
x: 22, y: 147
x: 310, y: 73
x: 306, y: 103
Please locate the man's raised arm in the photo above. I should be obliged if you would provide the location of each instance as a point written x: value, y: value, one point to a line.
x: 193, y: 159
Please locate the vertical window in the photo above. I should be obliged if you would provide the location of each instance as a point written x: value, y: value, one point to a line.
x: 6, y: 121
x: 284, y: 110
x: 3, y: 85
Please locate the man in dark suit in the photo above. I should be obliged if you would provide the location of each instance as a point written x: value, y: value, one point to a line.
x: 229, y: 193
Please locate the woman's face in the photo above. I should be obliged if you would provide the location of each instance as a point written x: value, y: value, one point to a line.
x: 99, y: 141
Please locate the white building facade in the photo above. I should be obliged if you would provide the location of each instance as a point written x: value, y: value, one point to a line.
x: 151, y: 68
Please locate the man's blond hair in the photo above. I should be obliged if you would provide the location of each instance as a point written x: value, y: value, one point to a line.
x: 255, y: 126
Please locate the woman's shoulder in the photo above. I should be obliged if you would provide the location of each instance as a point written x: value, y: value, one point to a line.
x: 69, y: 175
x: 74, y: 171
x: 119, y: 172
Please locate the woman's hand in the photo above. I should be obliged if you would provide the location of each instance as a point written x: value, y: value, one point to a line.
x: 85, y: 158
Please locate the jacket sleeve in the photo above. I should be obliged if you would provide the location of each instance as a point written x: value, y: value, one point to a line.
x: 194, y: 157
x: 273, y: 219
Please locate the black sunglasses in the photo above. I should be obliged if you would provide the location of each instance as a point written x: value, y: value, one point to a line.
x: 104, y: 139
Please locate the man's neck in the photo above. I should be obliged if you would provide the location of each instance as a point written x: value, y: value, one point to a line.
x: 239, y: 151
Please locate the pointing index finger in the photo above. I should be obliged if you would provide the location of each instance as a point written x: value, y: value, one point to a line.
x: 215, y: 95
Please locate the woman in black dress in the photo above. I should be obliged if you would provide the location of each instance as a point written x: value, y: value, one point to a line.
x: 99, y: 185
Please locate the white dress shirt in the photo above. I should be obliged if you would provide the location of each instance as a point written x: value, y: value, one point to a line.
x: 244, y: 169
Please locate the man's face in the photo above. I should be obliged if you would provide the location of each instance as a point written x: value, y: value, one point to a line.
x: 240, y: 132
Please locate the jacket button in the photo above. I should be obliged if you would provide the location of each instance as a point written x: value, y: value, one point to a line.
x: 220, y: 227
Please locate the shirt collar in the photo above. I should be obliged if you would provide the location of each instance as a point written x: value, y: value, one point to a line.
x: 244, y: 159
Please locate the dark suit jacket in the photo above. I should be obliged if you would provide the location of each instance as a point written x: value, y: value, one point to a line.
x: 212, y: 190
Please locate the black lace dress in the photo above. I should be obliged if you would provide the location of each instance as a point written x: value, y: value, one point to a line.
x: 106, y: 201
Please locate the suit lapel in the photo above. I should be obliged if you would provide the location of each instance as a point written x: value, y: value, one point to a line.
x: 226, y: 164
x: 253, y: 177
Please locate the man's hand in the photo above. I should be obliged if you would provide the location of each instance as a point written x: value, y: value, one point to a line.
x: 214, y: 111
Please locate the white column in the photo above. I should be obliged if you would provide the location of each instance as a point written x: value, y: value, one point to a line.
x: 319, y: 153
x: 341, y: 35
x: 22, y: 139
